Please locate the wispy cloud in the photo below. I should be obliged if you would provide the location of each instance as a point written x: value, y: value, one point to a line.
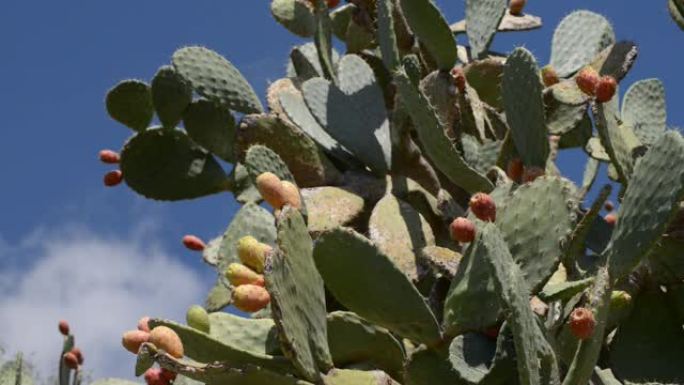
x: 102, y: 285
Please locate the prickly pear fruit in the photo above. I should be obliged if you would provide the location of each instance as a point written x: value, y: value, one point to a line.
x: 482, y: 206
x: 198, y: 318
x: 516, y: 7
x: 549, y: 76
x: 582, y: 323
x: 109, y: 157
x: 514, y: 170
x: 531, y: 173
x: 194, y: 243
x: 587, y: 80
x: 168, y: 375
x: 492, y: 332
x: 462, y: 230
x: 609, y: 206
x: 459, y: 78
x: 153, y: 376
x: 64, y: 327
x: 113, y: 178
x: 253, y: 253
x: 605, y: 90
x: 250, y: 298
x: 611, y: 218
x: 143, y: 324
x: 70, y: 360
x: 270, y: 188
x: 165, y: 338
x: 239, y: 274
x: 79, y: 355
x: 132, y: 340
x: 290, y: 194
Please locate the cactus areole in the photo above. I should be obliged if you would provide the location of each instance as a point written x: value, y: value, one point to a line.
x: 400, y: 203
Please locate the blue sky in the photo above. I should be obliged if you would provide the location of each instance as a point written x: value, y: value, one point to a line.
x: 58, y: 60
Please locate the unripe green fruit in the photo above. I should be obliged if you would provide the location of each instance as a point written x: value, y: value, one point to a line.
x: 166, y: 339
x: 132, y: 340
x: 198, y: 318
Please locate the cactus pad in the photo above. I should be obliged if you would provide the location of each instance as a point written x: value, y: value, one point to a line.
x: 260, y: 159
x: 331, y: 207
x: 167, y: 165
x: 130, y: 103
x: 379, y: 292
x: 171, y: 94
x: 483, y: 18
x: 215, y: 78
x: 298, y: 297
x: 295, y: 15
x: 429, y: 25
x: 644, y: 109
x: 212, y: 126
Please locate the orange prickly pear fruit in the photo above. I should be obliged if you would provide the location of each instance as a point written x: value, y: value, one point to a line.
x: 250, y: 298
x: 165, y: 338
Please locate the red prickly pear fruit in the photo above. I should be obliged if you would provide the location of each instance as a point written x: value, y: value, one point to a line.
x: 165, y: 338
x: 587, y: 80
x: 549, y: 76
x: 168, y: 375
x: 239, y: 274
x: 605, y: 90
x: 153, y: 376
x: 79, y: 355
x: 64, y: 327
x: 483, y: 206
x: 462, y: 230
x: 609, y: 206
x: 143, y: 324
x: 290, y: 194
x: 611, y: 219
x: 132, y: 339
x: 459, y: 78
x: 253, y: 253
x: 514, y: 170
x: 109, y: 157
x: 198, y: 318
x: 270, y: 187
x: 531, y: 173
x: 194, y: 243
x: 516, y: 7
x: 250, y: 298
x: 113, y: 178
x: 70, y: 360
x: 582, y: 323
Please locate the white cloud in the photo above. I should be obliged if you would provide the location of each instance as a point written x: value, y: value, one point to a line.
x: 100, y: 285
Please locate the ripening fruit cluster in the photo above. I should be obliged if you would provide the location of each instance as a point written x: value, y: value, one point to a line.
x: 591, y: 83
x: 73, y: 359
x: 249, y: 293
x: 278, y: 193
x: 163, y: 338
x: 114, y: 177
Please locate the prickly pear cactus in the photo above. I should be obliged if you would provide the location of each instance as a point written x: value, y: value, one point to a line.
x: 403, y: 218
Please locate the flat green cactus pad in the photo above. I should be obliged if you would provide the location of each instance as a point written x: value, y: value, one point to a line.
x: 171, y: 94
x: 330, y: 207
x: 252, y: 335
x: 379, y: 291
x: 205, y: 348
x: 618, y: 139
x: 212, y: 126
x: 429, y: 366
x: 352, y: 340
x: 399, y: 232
x: 295, y: 15
x: 650, y: 202
x: 649, y: 345
x: 353, y: 112
x: 522, y: 96
x: 308, y: 51
x: 130, y: 103
x: 298, y: 297
x: 480, y: 359
x: 579, y: 37
x: 431, y: 28
x: 483, y: 18
x: 644, y: 109
x: 219, y: 297
x: 616, y: 60
x: 260, y: 159
x: 167, y: 165
x: 302, y: 156
x: 215, y: 78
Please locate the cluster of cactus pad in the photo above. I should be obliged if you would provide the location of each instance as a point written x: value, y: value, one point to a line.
x: 420, y: 231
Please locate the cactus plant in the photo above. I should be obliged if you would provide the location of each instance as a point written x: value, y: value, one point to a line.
x: 367, y: 158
